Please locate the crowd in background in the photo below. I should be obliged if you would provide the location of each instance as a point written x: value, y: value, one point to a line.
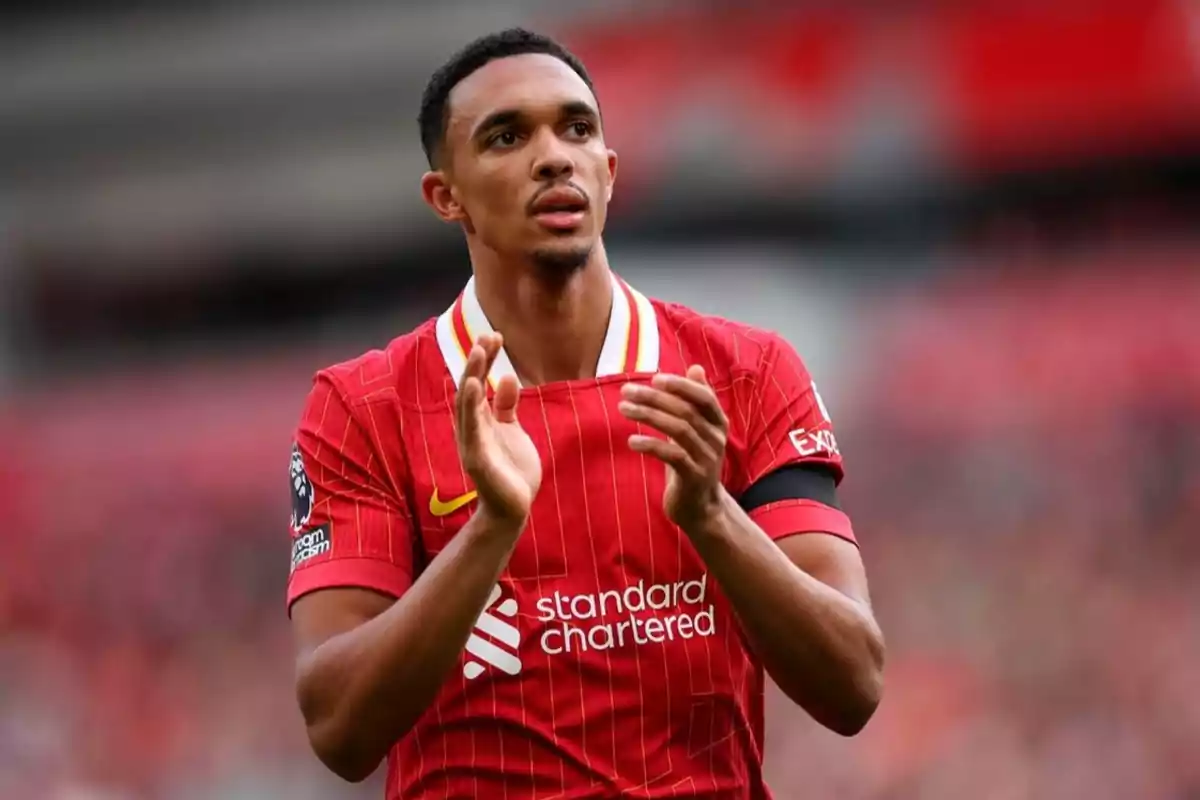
x: 1034, y: 571
x: 976, y: 221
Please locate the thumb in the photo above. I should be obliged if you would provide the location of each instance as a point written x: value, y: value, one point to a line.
x: 696, y: 373
x: 504, y: 403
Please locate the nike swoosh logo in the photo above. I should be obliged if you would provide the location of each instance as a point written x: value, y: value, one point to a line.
x: 440, y: 509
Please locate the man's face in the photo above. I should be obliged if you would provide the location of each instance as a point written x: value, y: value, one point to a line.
x: 525, y: 161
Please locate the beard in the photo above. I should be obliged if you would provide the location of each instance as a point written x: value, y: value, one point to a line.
x: 561, y: 263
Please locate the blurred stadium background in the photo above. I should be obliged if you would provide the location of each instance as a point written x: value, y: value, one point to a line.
x: 978, y: 222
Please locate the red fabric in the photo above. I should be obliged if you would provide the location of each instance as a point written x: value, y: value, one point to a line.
x: 356, y: 495
x: 787, y: 517
x: 782, y: 418
x: 624, y: 673
x: 359, y: 573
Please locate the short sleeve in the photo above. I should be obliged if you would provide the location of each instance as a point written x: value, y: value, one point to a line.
x: 790, y: 426
x: 349, y: 528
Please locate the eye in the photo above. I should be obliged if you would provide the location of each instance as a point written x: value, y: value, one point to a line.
x: 503, y: 139
x: 581, y: 129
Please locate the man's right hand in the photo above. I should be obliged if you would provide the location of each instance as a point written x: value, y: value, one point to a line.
x: 366, y: 667
x: 495, y: 451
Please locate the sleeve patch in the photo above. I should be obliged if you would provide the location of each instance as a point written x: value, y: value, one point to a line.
x: 809, y: 443
x: 310, y: 544
x: 301, y: 490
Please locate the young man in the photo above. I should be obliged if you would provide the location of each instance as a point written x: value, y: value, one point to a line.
x: 556, y: 564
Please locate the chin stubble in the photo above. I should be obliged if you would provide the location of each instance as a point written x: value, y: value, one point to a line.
x: 562, y: 263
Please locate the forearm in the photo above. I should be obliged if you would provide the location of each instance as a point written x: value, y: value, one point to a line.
x: 821, y: 647
x: 363, y: 690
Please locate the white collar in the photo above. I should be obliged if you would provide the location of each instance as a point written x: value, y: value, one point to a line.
x: 631, y: 344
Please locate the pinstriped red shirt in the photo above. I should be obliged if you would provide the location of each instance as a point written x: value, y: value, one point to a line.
x: 607, y: 662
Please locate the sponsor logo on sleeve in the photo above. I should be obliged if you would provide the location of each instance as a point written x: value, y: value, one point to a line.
x: 821, y: 403
x: 310, y: 544
x: 812, y: 444
x: 301, y: 489
x: 818, y: 443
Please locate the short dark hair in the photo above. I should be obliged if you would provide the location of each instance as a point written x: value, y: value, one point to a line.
x: 435, y: 106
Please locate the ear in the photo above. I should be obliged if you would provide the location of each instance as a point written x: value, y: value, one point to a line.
x: 439, y: 196
x: 612, y: 173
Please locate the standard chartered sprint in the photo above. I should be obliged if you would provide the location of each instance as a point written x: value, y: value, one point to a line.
x: 617, y: 618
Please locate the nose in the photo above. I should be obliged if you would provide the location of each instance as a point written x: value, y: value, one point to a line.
x: 552, y: 160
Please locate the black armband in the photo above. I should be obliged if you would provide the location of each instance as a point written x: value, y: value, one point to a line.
x: 814, y: 482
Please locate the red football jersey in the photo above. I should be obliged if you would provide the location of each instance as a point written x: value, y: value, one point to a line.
x: 607, y: 662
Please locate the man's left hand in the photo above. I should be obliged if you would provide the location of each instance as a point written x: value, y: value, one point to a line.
x: 686, y: 410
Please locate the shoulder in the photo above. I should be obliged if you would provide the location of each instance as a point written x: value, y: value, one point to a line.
x: 726, y: 347
x: 408, y: 370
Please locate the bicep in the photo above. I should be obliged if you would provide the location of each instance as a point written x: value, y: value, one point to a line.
x: 793, y: 469
x: 319, y: 616
x: 833, y: 560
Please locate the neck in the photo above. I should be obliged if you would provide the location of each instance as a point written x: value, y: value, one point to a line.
x: 553, y: 329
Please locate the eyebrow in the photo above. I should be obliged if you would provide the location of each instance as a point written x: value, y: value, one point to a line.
x: 578, y: 108
x: 499, y: 119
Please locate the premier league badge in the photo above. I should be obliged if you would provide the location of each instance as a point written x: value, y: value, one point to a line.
x: 302, y: 491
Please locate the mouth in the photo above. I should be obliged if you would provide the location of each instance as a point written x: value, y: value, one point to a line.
x: 560, y: 209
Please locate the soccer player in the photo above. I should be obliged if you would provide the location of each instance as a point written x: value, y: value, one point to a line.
x: 545, y: 545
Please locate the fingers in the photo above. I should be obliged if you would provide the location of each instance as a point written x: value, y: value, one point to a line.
x: 504, y: 404
x: 471, y: 389
x: 663, y: 401
x: 482, y: 356
x: 694, y: 389
x: 670, y: 453
x: 699, y: 427
x: 470, y: 395
x: 698, y: 440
